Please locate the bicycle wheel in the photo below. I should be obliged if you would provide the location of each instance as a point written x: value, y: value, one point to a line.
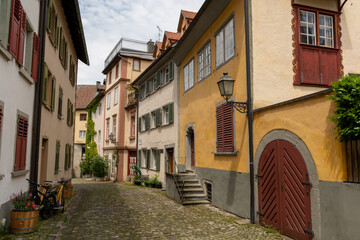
x: 48, y: 203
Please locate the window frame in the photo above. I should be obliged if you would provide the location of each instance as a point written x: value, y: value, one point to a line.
x: 82, y: 134
x: 186, y: 73
x: 81, y: 116
x: 114, y: 117
x: 108, y: 100
x: 322, y: 53
x: 202, y: 54
x: 116, y: 95
x: 139, y: 66
x: 221, y: 30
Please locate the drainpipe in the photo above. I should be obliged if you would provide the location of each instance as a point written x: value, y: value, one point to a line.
x: 34, y: 165
x: 249, y: 112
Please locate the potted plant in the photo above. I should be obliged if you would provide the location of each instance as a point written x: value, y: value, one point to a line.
x: 137, y: 175
x: 85, y: 167
x: 346, y: 95
x: 147, y: 182
x: 99, y: 168
x: 158, y: 184
x: 153, y: 181
x: 25, y: 215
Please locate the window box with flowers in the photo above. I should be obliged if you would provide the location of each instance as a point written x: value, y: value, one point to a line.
x: 25, y: 215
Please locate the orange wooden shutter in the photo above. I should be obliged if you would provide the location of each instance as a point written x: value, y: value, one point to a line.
x: 35, y: 57
x: 15, y: 22
x: 224, y: 128
x: 219, y: 129
x: 21, y: 141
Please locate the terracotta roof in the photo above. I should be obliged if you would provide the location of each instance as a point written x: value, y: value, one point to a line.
x: 172, y: 35
x: 84, y: 95
x: 159, y: 44
x: 188, y: 14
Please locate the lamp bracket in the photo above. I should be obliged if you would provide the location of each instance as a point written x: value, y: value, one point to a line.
x: 239, y: 106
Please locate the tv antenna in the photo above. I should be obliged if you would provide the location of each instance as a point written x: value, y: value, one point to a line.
x: 160, y: 33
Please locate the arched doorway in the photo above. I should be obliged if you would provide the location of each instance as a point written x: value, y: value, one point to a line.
x: 284, y: 190
x: 190, y: 149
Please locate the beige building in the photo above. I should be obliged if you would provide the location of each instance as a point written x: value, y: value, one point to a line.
x: 59, y: 78
x: 84, y: 95
x: 123, y: 65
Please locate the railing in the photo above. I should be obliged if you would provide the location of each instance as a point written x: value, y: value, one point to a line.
x: 178, y: 178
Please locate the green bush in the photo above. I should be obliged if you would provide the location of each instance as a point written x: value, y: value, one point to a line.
x: 85, y: 166
x: 346, y: 95
x: 99, y: 166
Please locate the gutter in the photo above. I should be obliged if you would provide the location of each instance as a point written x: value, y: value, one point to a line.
x: 250, y: 111
x: 34, y: 162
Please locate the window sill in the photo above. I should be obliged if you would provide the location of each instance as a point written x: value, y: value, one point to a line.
x: 317, y: 47
x: 60, y: 117
x: 5, y: 53
x: 26, y: 75
x: 19, y: 173
x: 187, y: 90
x: 224, y: 63
x: 226, y: 153
x: 132, y: 138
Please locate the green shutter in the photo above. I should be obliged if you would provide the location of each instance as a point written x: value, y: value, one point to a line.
x: 57, y: 29
x: 66, y: 155
x: 139, y: 158
x: 53, y: 90
x: 60, y: 102
x: 69, y: 158
x: 68, y: 112
x: 139, y: 122
x: 171, y: 112
x: 70, y: 72
x: 158, y: 117
x: 45, y: 82
x: 157, y: 79
x: 61, y: 44
x: 157, y: 160
x: 171, y: 70
x: 57, y: 157
x: 148, y: 152
x: 147, y: 88
x: 49, y: 16
x: 147, y: 121
x: 72, y: 114
x: 66, y: 56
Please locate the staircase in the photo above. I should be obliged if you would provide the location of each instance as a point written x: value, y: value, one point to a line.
x: 189, y: 188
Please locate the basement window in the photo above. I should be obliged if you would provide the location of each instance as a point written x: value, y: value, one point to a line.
x: 208, y: 189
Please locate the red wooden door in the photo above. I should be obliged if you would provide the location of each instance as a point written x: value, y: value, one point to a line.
x: 284, y: 190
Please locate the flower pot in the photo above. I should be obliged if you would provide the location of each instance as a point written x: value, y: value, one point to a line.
x: 132, y: 180
x: 68, y: 191
x: 153, y: 185
x: 99, y: 179
x: 159, y: 185
x: 23, y: 222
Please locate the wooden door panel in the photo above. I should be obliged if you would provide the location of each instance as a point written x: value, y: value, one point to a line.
x: 310, y: 66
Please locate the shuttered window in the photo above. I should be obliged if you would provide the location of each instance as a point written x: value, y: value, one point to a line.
x: 70, y: 113
x: 57, y: 157
x: 21, y: 141
x: 53, y: 91
x: 158, y: 117
x: 224, y: 128
x: 148, y: 152
x: 67, y: 162
x: 17, y: 31
x: 60, y: 102
x: 157, y: 159
x: 139, y: 158
x: 317, y: 47
x: 35, y: 57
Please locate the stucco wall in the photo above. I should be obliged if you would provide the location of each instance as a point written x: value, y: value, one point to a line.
x: 308, y: 119
x: 198, y: 105
x: 166, y: 134
x: 79, y: 126
x: 54, y: 128
x: 16, y: 96
x: 98, y: 118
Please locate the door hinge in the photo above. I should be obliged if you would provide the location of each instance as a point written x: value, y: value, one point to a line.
x: 307, y: 183
x: 260, y: 213
x: 308, y: 231
x: 259, y: 176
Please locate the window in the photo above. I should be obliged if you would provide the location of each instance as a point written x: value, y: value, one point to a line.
x: 107, y: 129
x: 67, y: 162
x: 151, y: 85
x: 21, y: 142
x: 317, y: 55
x: 168, y: 112
x: 116, y: 92
x: 225, y: 44
x: 99, y: 136
x: 29, y: 48
x: 72, y: 75
x: 189, y: 75
x: 113, y: 164
x: 49, y: 88
x: 142, y: 92
x: 82, y: 134
x: 53, y: 25
x: 70, y: 113
x: 204, y: 63
x: 57, y: 157
x: 114, y: 126
x: 63, y: 49
x: 100, y: 106
x: 153, y: 119
x: 83, y: 116
x: 117, y: 71
x: 169, y: 72
x: 155, y: 159
x: 132, y: 126
x: 108, y: 100
x: 110, y: 73
x: 5, y: 10
x: 224, y: 128
x: 60, y: 102
x: 136, y: 65
x: 17, y: 31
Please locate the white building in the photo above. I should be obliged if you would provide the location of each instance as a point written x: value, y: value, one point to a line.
x: 19, y: 57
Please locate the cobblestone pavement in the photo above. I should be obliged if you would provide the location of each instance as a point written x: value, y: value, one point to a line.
x: 123, y: 211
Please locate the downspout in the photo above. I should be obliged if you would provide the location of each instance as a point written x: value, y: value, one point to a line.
x: 137, y: 124
x: 249, y: 112
x: 34, y: 166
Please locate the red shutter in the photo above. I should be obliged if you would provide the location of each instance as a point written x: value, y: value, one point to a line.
x: 35, y: 57
x: 15, y: 22
x: 219, y: 129
x: 21, y: 141
x: 330, y: 71
x: 309, y: 66
x: 22, y: 38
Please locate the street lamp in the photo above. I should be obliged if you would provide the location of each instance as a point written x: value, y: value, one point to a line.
x: 226, y: 88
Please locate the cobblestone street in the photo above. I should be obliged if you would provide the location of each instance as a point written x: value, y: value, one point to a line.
x: 123, y: 211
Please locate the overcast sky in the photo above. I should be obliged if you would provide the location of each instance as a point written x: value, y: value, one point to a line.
x: 106, y: 21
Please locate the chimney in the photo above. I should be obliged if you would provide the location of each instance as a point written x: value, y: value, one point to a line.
x: 97, y: 86
x: 151, y: 46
